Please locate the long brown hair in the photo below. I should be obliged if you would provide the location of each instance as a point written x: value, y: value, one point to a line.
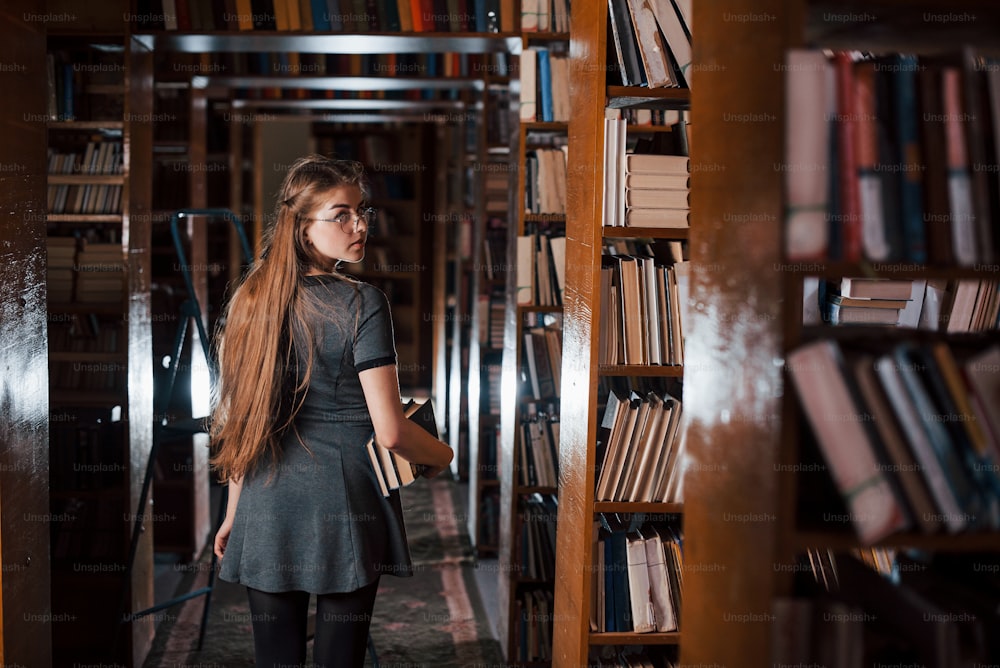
x: 263, y: 321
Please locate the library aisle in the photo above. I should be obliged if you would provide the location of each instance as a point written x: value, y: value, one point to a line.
x: 440, y: 616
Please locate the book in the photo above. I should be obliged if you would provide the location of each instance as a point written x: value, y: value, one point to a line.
x: 651, y: 47
x: 391, y: 470
x: 875, y: 288
x: 824, y: 389
x: 811, y: 101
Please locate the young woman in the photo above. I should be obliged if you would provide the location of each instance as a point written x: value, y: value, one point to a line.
x: 307, y: 372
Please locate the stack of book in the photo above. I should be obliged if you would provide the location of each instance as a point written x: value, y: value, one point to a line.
x: 534, y: 631
x: 643, y: 189
x: 865, y: 301
x: 639, y: 444
x: 100, y: 273
x: 391, y: 470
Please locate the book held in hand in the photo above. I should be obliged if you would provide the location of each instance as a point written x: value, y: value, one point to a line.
x: 391, y: 470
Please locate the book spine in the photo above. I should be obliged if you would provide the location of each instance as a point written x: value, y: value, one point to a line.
x: 911, y: 190
x: 846, y: 129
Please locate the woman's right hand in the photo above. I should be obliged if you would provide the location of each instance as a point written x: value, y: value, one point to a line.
x: 222, y: 537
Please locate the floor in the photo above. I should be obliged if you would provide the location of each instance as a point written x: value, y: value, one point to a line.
x: 168, y: 573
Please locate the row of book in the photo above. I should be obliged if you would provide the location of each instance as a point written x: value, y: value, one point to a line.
x: 911, y: 436
x: 99, y: 157
x: 952, y: 306
x: 542, y: 360
x: 538, y: 451
x: 496, y: 187
x: 534, y: 612
x: 490, y: 398
x: 642, y: 307
x: 537, y: 548
x: 545, y: 16
x: 639, y: 444
x: 492, y: 307
x: 892, y: 158
x: 544, y: 86
x: 328, y: 15
x: 545, y: 181
x: 642, y: 190
x: 637, y: 579
x: 652, y: 40
x: 541, y: 269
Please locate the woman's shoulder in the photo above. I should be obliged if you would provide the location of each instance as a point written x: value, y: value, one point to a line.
x: 346, y: 284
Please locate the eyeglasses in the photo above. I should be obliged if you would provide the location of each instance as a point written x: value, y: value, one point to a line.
x: 350, y: 221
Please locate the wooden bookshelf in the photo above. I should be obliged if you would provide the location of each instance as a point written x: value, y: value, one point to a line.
x: 492, y: 162
x: 733, y: 563
x: 584, y: 377
x: 517, y: 498
x: 113, y: 383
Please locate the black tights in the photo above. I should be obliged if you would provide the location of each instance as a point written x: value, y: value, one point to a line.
x: 342, y: 622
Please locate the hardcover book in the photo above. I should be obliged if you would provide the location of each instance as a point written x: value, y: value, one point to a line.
x: 391, y: 470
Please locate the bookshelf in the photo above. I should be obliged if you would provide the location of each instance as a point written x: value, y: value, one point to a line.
x: 754, y: 515
x: 529, y: 413
x: 100, y: 367
x: 583, y: 517
x: 493, y: 187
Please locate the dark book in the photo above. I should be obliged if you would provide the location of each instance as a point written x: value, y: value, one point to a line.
x: 904, y: 76
x: 626, y: 46
x: 937, y: 217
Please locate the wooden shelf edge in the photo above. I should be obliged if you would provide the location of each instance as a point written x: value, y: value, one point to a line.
x: 86, y: 125
x: 84, y: 218
x: 629, y: 638
x: 638, y: 507
x: 899, y: 270
x: 675, y: 371
x: 959, y: 542
x: 614, y: 232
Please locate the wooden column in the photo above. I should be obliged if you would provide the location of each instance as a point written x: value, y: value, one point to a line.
x: 733, y: 381
x: 24, y: 405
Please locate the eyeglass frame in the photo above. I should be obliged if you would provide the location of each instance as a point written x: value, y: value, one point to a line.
x: 366, y: 214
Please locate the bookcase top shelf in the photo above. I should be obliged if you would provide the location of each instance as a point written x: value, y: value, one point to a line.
x: 86, y: 125
x: 346, y: 83
x: 346, y: 43
x: 83, y: 217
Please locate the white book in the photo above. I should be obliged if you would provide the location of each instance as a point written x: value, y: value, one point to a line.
x: 659, y: 585
x: 525, y: 270
x: 643, y: 615
x: 677, y: 41
x: 529, y: 68
x: 810, y: 82
x: 558, y: 246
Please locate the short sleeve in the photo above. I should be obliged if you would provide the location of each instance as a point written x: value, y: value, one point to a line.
x: 373, y: 340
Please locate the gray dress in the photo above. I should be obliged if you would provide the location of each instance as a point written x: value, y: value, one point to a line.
x: 320, y: 523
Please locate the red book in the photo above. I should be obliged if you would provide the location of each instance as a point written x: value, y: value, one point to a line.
x: 850, y: 198
x: 417, y: 15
